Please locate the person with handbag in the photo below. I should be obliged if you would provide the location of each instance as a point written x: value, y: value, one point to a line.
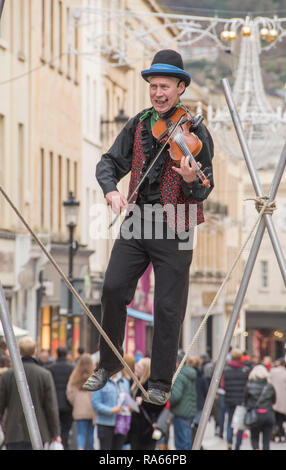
x: 233, y: 381
x: 143, y: 422
x: 112, y: 416
x: 259, y: 399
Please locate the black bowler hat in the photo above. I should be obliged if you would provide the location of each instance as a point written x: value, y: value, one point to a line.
x: 167, y: 63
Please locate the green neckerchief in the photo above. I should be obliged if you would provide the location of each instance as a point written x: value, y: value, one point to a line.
x: 153, y: 115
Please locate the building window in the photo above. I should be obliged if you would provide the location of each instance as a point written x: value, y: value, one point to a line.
x: 52, y: 39
x: 21, y: 30
x: 43, y: 29
x: 42, y: 188
x: 2, y: 160
x: 60, y: 200
x: 4, y: 29
x: 60, y: 33
x: 20, y: 180
x: 51, y: 190
x: 2, y: 157
x: 87, y: 108
x: 75, y: 179
x: 68, y: 70
x: 264, y: 274
x: 68, y: 177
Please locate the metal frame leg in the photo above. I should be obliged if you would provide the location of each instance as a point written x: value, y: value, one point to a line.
x: 266, y: 221
x: 20, y: 376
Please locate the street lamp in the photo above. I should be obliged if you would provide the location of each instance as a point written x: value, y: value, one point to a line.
x: 71, y: 209
x: 120, y: 120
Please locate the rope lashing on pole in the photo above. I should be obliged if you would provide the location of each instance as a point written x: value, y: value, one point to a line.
x: 260, y: 203
x: 263, y: 206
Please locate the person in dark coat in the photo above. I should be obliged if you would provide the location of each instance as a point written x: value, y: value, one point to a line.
x: 233, y: 381
x: 260, y: 394
x: 61, y: 370
x: 202, y: 391
x: 143, y: 423
x: 43, y: 396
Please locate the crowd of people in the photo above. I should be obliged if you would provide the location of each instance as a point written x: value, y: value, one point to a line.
x: 117, y: 417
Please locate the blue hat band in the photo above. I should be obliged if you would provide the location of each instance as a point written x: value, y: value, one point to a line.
x: 165, y: 69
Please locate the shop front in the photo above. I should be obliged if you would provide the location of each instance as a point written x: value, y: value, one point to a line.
x: 265, y: 334
x: 52, y: 312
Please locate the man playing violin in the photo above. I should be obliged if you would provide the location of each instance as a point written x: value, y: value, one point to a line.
x: 166, y: 186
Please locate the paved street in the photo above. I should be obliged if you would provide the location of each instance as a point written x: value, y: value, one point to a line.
x: 212, y: 442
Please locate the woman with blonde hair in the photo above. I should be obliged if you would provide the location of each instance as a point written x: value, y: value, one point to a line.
x: 143, y: 423
x: 80, y: 399
x: 260, y: 395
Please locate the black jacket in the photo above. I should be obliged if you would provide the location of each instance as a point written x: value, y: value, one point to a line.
x: 116, y: 163
x: 259, y: 393
x: 61, y: 371
x: 235, y: 377
x: 44, y: 399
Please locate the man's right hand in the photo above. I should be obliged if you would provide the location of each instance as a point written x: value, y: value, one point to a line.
x: 116, y: 201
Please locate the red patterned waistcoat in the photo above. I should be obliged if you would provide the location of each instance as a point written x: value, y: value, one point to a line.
x: 186, y: 212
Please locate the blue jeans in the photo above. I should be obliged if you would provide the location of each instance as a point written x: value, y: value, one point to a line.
x: 183, y: 432
x: 230, y: 410
x: 84, y: 432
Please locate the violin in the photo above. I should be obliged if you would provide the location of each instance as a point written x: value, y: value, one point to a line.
x: 183, y: 141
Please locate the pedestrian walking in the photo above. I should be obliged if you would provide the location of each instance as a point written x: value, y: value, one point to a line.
x: 201, y: 390
x: 233, y: 381
x: 43, y: 396
x: 130, y: 361
x: 80, y: 399
x: 113, y: 416
x: 45, y: 359
x: 168, y: 203
x: 61, y: 370
x: 278, y: 380
x: 143, y: 422
x: 4, y: 365
x: 260, y: 395
x: 183, y: 403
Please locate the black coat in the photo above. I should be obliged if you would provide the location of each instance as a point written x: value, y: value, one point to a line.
x: 202, y: 388
x: 235, y: 377
x: 141, y: 430
x: 259, y: 388
x: 61, y: 371
x: 44, y: 399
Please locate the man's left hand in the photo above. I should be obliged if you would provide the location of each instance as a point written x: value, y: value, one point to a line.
x: 187, y: 172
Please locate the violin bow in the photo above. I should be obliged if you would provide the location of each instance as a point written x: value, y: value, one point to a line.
x: 175, y: 126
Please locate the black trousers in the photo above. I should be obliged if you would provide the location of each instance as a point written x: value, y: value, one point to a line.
x: 128, y: 261
x: 264, y: 426
x: 108, y: 440
x: 66, y: 421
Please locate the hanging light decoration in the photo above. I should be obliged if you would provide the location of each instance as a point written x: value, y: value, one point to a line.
x: 232, y: 35
x: 257, y: 116
x: 264, y: 33
x: 246, y: 31
x: 272, y: 35
x: 224, y: 35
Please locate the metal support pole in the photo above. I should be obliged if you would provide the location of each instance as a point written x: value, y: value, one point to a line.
x: 247, y: 271
x: 254, y: 177
x: 20, y: 376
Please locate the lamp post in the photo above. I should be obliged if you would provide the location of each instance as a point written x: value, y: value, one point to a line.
x: 71, y: 208
x: 120, y: 120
